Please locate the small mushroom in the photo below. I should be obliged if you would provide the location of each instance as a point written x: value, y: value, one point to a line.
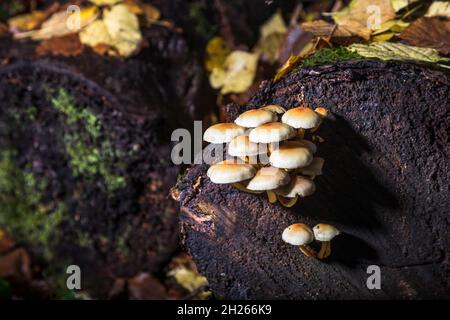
x: 299, y: 186
x: 271, y: 132
x: 229, y: 171
x: 325, y: 233
x: 323, y: 113
x: 223, y: 132
x: 255, y: 117
x: 299, y: 234
x: 314, y: 168
x: 301, y: 117
x: 242, y: 147
x: 274, y: 108
x: 291, y: 155
x: 308, y: 144
x: 268, y: 178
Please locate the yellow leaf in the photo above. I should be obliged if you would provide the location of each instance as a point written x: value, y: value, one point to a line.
x: 391, y: 25
x: 27, y: 22
x: 216, y: 53
x: 62, y: 23
x: 360, y: 17
x: 271, y: 37
x: 188, y: 278
x: 123, y: 28
x: 237, y: 74
x: 439, y: 9
x: 151, y: 13
x: 383, y: 37
x: 105, y: 2
x: 275, y: 24
x: 400, y: 4
x: 94, y: 34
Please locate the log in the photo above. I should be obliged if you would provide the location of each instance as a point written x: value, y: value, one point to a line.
x: 384, y: 185
x: 85, y: 165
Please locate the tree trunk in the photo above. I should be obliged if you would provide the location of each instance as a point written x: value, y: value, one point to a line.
x: 384, y: 185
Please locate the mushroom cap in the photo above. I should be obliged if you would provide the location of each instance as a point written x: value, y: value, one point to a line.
x: 230, y: 171
x: 301, y: 117
x: 309, y: 144
x: 298, y: 186
x: 325, y: 232
x: 241, y: 146
x: 255, y: 117
x: 321, y: 111
x: 268, y: 178
x: 271, y: 132
x: 291, y: 155
x: 222, y: 132
x: 274, y: 108
x: 314, y: 168
x: 298, y: 234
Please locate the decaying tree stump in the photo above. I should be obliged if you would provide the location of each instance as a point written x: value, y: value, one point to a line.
x: 85, y: 166
x: 385, y: 185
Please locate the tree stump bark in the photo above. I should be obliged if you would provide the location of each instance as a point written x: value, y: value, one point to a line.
x: 385, y: 185
x: 85, y: 166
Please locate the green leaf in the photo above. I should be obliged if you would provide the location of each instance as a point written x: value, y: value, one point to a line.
x: 397, y: 51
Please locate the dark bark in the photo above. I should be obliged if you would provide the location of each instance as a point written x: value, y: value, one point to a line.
x: 385, y: 186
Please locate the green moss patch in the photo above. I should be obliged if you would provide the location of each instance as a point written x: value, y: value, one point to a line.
x: 327, y: 55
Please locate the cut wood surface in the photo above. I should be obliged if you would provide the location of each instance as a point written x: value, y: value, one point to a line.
x: 384, y: 185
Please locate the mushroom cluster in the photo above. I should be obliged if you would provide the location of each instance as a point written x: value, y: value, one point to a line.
x: 265, y: 154
x: 299, y: 234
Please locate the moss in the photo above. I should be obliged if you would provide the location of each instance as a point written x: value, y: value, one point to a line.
x: 326, y: 55
x: 90, y: 154
x: 24, y: 213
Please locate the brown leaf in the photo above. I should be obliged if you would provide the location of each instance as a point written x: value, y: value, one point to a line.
x: 16, y: 266
x: 66, y: 46
x: 294, y: 41
x: 6, y: 242
x: 144, y: 286
x: 430, y: 33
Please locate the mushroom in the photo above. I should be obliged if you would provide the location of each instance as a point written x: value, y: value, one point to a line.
x: 268, y: 179
x: 255, y: 117
x: 308, y: 144
x: 314, y: 168
x: 222, y: 132
x: 299, y: 186
x: 229, y: 171
x: 325, y: 233
x: 323, y: 113
x: 242, y: 147
x: 271, y: 132
x: 291, y: 155
x: 301, y: 118
x: 274, y: 108
x: 299, y: 234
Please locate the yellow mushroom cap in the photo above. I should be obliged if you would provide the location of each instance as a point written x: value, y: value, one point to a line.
x: 325, y: 232
x: 255, y: 117
x: 321, y: 111
x: 222, y: 132
x: 274, y: 108
x: 268, y: 178
x: 230, y: 172
x: 271, y: 132
x: 241, y: 146
x: 301, y: 117
x: 298, y: 234
x: 298, y: 186
x: 291, y: 155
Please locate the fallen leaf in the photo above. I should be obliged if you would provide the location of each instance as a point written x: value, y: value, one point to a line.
x: 16, y: 266
x: 216, y: 53
x: 6, y: 242
x: 95, y: 34
x: 294, y: 42
x: 123, y: 28
x: 395, y: 26
x: 401, y: 4
x: 237, y: 73
x: 398, y: 51
x: 383, y: 37
x: 360, y: 17
x: 144, y: 286
x: 60, y: 24
x: 271, y: 37
x: 439, y: 9
x: 105, y: 2
x: 184, y: 271
x: 27, y: 22
x: 151, y: 13
x: 67, y: 46
x: 430, y: 33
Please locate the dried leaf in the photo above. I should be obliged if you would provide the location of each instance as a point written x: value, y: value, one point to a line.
x: 430, y: 33
x: 123, y: 28
x: 16, y: 265
x: 151, y: 13
x: 6, y: 242
x: 275, y: 24
x: 439, y: 9
x: 61, y: 24
x: 105, y: 2
x: 398, y: 51
x: 27, y: 22
x: 216, y: 53
x: 237, y: 74
x: 186, y: 274
x: 66, y: 46
x: 391, y: 25
x: 94, y: 34
x: 360, y: 17
x: 271, y: 37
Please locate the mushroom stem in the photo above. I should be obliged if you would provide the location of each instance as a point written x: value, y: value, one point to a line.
x: 301, y: 133
x: 325, y: 250
x: 287, y: 202
x: 271, y: 196
x: 307, y: 251
x: 312, y: 130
